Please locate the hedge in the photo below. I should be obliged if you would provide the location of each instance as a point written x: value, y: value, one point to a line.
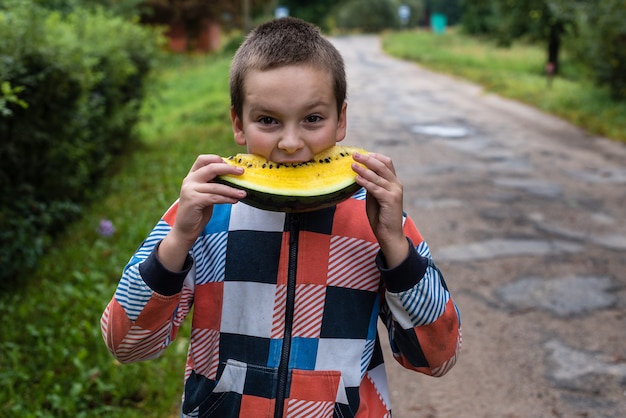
x: 71, y: 87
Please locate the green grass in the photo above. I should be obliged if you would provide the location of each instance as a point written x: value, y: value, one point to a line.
x: 53, y: 362
x: 516, y: 73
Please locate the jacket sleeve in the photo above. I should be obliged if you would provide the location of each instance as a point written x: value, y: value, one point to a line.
x: 149, y: 304
x: 422, y: 320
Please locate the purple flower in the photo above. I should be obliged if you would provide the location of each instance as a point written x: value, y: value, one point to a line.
x: 106, y: 228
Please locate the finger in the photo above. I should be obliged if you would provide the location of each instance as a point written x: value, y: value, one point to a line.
x: 204, y: 160
x: 218, y: 190
x: 370, y: 175
x: 205, y: 170
x: 369, y: 179
x: 378, y: 163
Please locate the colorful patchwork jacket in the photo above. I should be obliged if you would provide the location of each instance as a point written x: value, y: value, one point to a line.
x: 285, y: 312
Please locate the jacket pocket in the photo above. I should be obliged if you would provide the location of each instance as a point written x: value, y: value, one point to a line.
x: 321, y: 394
x: 242, y: 390
x: 245, y: 390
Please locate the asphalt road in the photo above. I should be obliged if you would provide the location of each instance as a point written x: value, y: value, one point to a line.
x: 525, y: 215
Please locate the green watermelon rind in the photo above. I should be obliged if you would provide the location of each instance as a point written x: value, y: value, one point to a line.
x: 290, y: 203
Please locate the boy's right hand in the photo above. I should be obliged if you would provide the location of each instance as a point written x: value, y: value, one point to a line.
x: 198, y: 194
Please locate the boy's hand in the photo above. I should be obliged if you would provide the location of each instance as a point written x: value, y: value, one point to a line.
x: 198, y: 194
x: 384, y: 204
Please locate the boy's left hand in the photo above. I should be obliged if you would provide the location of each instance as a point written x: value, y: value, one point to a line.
x: 384, y: 204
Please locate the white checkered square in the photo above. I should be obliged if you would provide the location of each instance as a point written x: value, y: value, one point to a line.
x: 342, y: 355
x: 244, y: 217
x: 241, y: 311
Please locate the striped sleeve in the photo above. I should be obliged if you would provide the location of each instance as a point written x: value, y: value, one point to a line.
x: 422, y: 319
x: 143, y: 316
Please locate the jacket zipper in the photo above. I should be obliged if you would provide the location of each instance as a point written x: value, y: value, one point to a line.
x: 283, y: 367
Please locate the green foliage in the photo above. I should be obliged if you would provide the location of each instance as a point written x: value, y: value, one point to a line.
x: 54, y: 362
x: 71, y: 94
x: 601, y: 42
x: 368, y: 16
x: 592, y: 32
x: 507, y: 20
x: 512, y: 72
x: 126, y: 8
x: 477, y: 17
x: 8, y: 95
x: 314, y: 11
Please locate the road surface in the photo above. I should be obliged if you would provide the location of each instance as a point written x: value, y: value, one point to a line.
x: 526, y: 217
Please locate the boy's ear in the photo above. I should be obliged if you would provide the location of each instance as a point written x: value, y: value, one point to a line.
x: 238, y: 132
x: 342, y: 123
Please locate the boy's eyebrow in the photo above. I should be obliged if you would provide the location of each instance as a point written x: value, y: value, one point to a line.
x: 316, y: 103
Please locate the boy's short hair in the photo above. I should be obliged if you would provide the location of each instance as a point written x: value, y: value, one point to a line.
x: 285, y: 41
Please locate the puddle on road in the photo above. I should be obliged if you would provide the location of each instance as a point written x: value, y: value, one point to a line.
x: 441, y: 131
x: 561, y: 296
x: 615, y: 242
x: 605, y: 175
x: 473, y: 146
x: 496, y: 248
x: 570, y: 364
x: 583, y: 374
x: 612, y: 241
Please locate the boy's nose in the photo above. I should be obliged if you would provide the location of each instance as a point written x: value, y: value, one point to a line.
x: 290, y: 141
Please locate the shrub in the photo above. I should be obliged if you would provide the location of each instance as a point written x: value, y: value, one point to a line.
x: 368, y: 15
x: 600, y: 43
x: 72, y: 89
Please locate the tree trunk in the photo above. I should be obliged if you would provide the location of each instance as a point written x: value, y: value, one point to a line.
x: 554, y: 47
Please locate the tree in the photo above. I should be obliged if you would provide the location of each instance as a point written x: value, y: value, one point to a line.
x: 314, y: 11
x: 592, y: 30
x: 601, y: 41
x: 477, y: 16
x: 538, y: 20
x: 543, y: 21
x: 368, y: 15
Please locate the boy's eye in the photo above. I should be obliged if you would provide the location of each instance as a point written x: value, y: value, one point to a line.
x: 313, y: 118
x: 266, y: 120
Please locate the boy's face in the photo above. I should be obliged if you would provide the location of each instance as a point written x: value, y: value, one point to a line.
x: 289, y: 114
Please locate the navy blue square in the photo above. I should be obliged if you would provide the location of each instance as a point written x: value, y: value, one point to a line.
x: 244, y: 348
x: 350, y: 314
x: 252, y: 256
x: 320, y: 221
x: 409, y: 346
x: 261, y: 382
x: 221, y: 405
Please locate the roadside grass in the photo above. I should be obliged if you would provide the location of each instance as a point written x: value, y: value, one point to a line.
x: 53, y: 361
x: 517, y: 73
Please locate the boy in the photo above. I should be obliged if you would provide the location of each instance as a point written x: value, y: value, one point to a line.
x: 285, y: 306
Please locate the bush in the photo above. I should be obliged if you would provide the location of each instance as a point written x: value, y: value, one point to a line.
x: 600, y: 43
x: 72, y: 86
x: 368, y: 15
